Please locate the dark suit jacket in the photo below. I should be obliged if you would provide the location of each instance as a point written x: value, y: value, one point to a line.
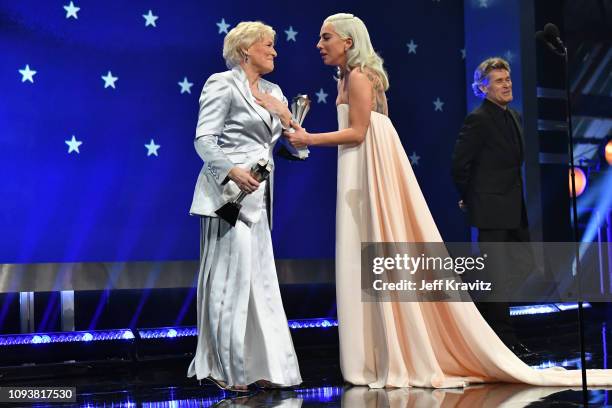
x: 486, y: 169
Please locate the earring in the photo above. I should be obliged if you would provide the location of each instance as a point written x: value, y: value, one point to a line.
x: 246, y: 58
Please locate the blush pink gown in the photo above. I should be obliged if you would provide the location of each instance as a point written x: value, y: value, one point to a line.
x: 404, y: 344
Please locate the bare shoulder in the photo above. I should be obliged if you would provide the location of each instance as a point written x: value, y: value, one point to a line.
x: 358, y: 75
x: 366, y: 83
x: 369, y: 74
x: 358, y: 81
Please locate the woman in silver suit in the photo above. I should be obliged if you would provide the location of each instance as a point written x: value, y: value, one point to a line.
x: 243, y: 336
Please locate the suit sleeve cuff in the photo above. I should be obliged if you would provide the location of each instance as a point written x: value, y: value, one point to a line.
x: 223, y: 170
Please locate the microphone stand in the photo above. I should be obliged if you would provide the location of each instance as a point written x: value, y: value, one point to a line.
x: 555, y: 45
x: 570, y: 131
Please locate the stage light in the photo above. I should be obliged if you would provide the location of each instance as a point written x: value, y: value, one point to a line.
x: 168, y: 332
x: 192, y: 331
x: 574, y: 362
x: 312, y: 323
x: 580, y: 180
x: 127, y: 335
x: 67, y: 337
x: 608, y: 152
x: 571, y: 306
x: 545, y: 308
x: 319, y: 394
x: 194, y: 402
x: 532, y: 310
x: 172, y: 332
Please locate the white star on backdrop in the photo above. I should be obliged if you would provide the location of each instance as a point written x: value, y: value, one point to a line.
x: 71, y: 10
x: 109, y: 80
x: 291, y: 34
x: 152, y: 148
x: 223, y: 26
x: 484, y: 3
x: 414, y: 159
x: 412, y: 46
x: 185, y: 86
x: 73, y: 145
x: 27, y: 74
x: 509, y: 55
x: 150, y: 19
x: 321, y: 96
x: 438, y: 104
x: 462, y: 51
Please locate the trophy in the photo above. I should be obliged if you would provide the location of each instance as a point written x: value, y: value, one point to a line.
x: 230, y: 210
x: 299, y: 108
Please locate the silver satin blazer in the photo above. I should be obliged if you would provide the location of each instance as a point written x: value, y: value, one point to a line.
x: 233, y: 130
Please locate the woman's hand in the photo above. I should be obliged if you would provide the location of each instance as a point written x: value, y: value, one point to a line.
x: 243, y: 179
x: 299, y: 137
x: 273, y: 105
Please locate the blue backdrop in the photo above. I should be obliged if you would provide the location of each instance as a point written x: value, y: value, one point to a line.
x: 86, y: 85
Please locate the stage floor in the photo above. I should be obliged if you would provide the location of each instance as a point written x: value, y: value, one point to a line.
x: 157, y: 377
x: 161, y: 382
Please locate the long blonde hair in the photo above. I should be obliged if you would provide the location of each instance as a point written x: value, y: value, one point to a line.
x: 362, y: 53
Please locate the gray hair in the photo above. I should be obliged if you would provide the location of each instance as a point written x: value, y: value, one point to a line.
x: 241, y: 38
x: 483, y: 70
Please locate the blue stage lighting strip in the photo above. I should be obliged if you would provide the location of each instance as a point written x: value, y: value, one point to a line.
x: 173, y: 332
x: 66, y: 337
x: 184, y: 403
x: 544, y: 308
x: 191, y: 331
x: 572, y: 362
x: 187, y: 403
x: 321, y: 394
x: 168, y: 332
x: 312, y: 323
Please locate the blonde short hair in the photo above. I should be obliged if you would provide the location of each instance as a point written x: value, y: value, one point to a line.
x: 362, y: 53
x: 242, y: 37
x: 483, y: 70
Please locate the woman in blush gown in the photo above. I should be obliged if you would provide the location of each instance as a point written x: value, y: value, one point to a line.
x: 397, y: 344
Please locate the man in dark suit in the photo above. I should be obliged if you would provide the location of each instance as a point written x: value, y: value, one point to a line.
x: 486, y: 169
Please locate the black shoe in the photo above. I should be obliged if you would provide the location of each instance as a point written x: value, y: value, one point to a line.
x: 522, y: 351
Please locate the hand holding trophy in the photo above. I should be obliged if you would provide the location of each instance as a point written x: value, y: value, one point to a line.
x: 299, y: 108
x: 230, y: 210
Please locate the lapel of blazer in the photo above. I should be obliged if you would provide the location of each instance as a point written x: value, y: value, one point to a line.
x: 243, y: 86
x: 520, y: 132
x: 501, y: 130
x: 275, y: 123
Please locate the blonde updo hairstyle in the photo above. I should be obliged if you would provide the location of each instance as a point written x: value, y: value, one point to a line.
x: 241, y: 37
x: 362, y: 53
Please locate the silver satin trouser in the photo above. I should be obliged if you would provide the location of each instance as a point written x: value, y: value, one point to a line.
x: 243, y: 334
